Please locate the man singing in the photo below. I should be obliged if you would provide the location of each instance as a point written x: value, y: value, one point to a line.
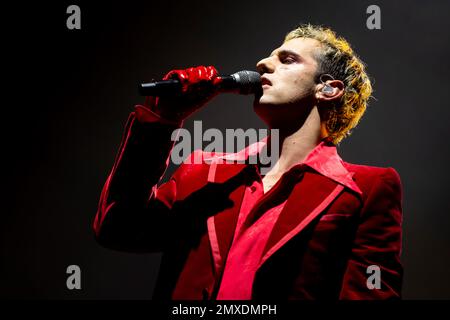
x: 312, y: 227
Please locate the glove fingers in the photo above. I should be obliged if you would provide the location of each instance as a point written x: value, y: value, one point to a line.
x: 192, y: 76
x: 198, y: 84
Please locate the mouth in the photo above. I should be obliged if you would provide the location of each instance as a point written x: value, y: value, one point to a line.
x: 265, y: 82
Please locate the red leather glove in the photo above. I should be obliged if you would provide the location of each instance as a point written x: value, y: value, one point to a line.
x: 199, y: 85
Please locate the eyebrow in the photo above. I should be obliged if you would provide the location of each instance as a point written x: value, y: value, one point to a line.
x: 285, y: 53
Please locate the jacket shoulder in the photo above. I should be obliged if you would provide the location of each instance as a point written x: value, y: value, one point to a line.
x: 366, y: 176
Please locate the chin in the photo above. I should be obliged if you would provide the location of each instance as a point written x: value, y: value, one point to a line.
x: 263, y: 101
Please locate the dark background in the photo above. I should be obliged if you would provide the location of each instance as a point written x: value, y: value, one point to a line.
x: 68, y: 94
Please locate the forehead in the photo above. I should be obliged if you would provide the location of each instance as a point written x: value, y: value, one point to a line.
x: 305, y: 47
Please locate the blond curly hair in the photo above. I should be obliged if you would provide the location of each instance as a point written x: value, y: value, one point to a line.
x: 339, y: 60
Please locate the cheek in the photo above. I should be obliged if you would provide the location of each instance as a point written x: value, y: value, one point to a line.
x: 298, y: 83
x: 297, y: 88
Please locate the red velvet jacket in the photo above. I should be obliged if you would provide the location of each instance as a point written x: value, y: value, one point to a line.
x: 320, y: 247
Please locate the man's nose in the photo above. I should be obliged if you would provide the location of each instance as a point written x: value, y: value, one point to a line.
x: 265, y: 66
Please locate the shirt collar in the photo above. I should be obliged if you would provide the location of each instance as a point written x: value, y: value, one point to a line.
x: 324, y: 159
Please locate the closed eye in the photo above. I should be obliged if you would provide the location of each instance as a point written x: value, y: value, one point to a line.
x: 288, y: 57
x: 288, y: 60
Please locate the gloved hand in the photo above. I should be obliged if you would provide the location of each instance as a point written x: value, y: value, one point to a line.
x: 199, y: 85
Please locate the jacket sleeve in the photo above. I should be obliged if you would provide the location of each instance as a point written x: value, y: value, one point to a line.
x: 378, y: 244
x: 133, y: 214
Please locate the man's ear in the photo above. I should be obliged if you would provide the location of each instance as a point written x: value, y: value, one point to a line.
x: 330, y: 90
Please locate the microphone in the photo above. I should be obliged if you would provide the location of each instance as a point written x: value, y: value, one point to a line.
x: 241, y: 82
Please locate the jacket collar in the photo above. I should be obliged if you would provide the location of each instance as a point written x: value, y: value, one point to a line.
x: 324, y: 159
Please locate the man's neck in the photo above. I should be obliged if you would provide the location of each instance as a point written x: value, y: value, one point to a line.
x: 295, y: 145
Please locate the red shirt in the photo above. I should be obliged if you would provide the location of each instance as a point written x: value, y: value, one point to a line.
x: 257, y: 217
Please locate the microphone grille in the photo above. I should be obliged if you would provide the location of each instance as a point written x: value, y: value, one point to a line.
x: 249, y: 81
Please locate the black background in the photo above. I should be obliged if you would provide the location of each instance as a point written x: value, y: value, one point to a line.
x: 67, y: 94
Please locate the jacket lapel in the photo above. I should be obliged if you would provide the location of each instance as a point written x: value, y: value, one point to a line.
x: 307, y: 200
x: 228, y: 169
x: 221, y: 226
x: 311, y: 196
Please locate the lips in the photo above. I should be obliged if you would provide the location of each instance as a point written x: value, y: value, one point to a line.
x: 265, y: 81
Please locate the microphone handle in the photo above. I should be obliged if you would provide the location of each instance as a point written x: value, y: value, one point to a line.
x: 160, y: 88
x: 172, y: 86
